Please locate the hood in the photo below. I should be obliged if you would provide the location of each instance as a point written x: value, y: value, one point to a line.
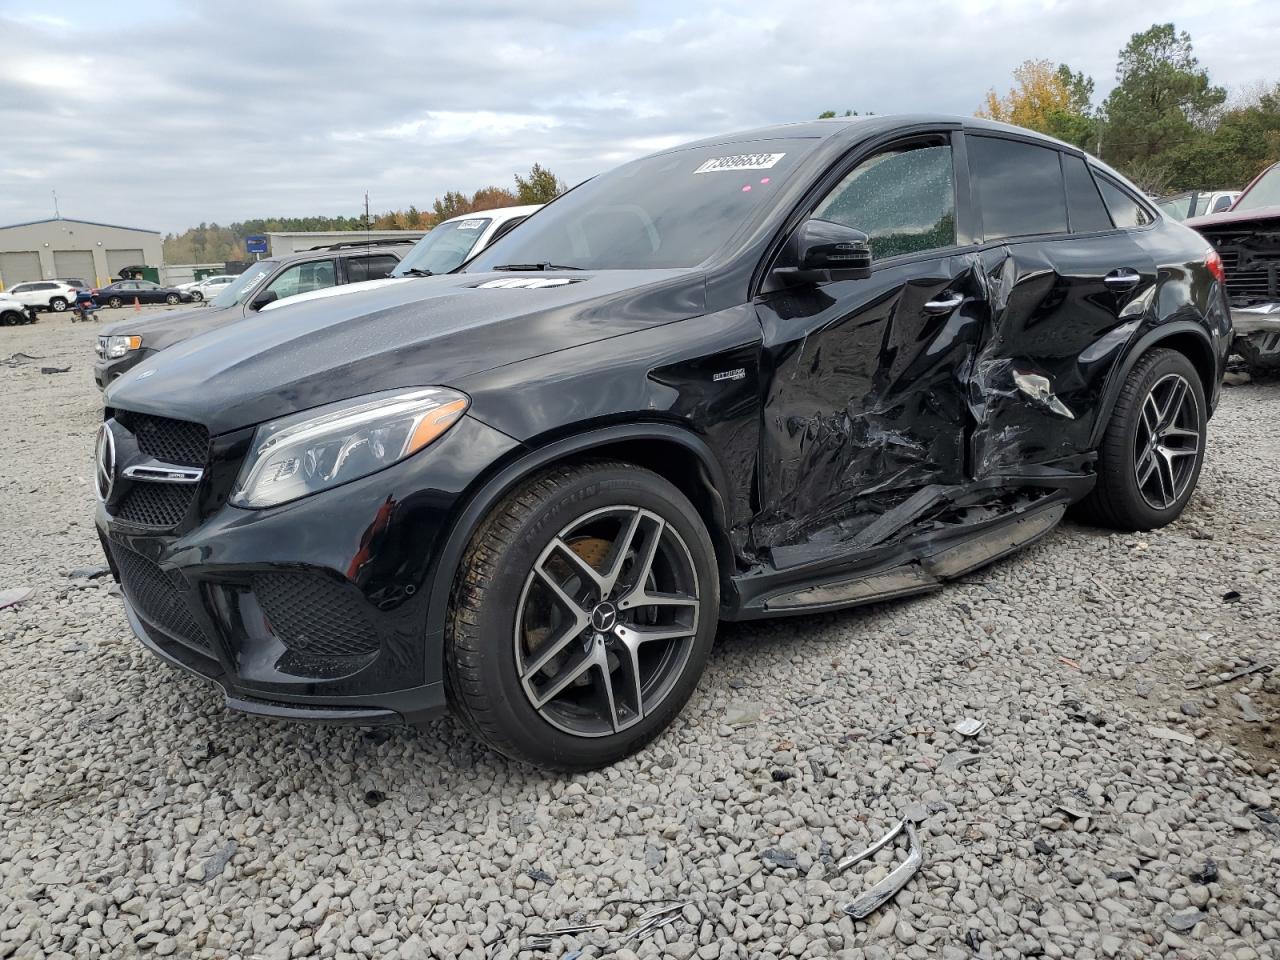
x: 163, y: 330
x: 339, y: 291
x: 432, y: 332
x: 1232, y: 219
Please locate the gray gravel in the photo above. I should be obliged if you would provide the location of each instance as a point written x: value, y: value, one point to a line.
x: 1103, y: 816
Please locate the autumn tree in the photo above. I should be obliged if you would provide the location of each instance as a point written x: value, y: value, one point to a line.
x: 1052, y: 100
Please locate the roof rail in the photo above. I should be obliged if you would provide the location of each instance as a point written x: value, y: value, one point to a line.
x: 362, y: 243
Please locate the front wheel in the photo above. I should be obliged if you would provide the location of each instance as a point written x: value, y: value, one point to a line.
x: 171, y: 299
x: 197, y: 296
x: 12, y: 318
x: 1153, y: 448
x: 58, y: 304
x: 582, y: 615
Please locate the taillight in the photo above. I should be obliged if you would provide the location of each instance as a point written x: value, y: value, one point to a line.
x: 1214, y: 263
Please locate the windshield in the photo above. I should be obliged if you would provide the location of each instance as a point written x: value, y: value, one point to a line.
x: 671, y: 210
x: 1176, y: 208
x: 1264, y: 193
x: 444, y: 248
x: 244, y: 285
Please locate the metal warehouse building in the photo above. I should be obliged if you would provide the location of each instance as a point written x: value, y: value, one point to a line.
x: 93, y: 252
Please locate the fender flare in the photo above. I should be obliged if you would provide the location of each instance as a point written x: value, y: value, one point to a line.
x: 492, y: 490
x: 1152, y: 338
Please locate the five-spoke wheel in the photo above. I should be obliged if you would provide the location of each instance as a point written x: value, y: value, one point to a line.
x: 1153, y: 447
x: 582, y: 615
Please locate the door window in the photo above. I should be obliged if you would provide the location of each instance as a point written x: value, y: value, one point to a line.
x: 1020, y: 188
x: 903, y: 198
x: 1084, y: 204
x: 369, y: 268
x: 1126, y: 211
x: 303, y: 278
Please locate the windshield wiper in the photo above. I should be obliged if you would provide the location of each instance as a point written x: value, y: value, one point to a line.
x: 544, y: 265
x: 416, y: 272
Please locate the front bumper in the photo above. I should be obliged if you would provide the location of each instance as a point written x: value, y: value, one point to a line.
x: 315, y: 609
x: 104, y: 371
x: 1261, y: 318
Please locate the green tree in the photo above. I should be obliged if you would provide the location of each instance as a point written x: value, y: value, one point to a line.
x: 1056, y: 101
x: 541, y: 186
x: 829, y: 114
x: 1162, y: 99
x: 1245, y: 139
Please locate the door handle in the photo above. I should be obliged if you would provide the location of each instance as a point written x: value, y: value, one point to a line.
x: 944, y: 306
x: 1122, y: 279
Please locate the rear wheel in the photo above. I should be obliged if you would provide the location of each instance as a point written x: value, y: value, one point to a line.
x: 1152, y: 451
x: 114, y: 302
x: 582, y: 616
x: 58, y: 304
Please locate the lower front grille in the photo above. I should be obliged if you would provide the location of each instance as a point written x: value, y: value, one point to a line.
x: 314, y: 615
x: 149, y: 504
x: 1258, y: 283
x: 158, y: 596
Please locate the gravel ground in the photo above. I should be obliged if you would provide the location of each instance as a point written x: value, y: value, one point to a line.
x: 1111, y: 812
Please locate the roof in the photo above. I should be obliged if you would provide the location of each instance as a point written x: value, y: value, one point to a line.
x: 92, y: 223
x: 330, y: 233
x: 500, y: 213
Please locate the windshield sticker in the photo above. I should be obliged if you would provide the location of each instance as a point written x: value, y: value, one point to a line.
x: 471, y: 225
x: 745, y: 161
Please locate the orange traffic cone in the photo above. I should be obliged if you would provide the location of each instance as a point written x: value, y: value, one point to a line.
x: 136, y: 305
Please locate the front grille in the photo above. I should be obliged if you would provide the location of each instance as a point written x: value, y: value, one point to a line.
x: 1259, y: 283
x: 170, y: 441
x: 158, y: 596
x: 156, y: 504
x: 315, y: 616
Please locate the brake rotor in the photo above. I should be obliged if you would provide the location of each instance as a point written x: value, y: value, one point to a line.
x: 594, y: 551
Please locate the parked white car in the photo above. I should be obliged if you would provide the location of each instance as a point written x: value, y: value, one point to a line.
x: 44, y: 294
x: 444, y: 248
x: 1198, y: 203
x: 14, y: 311
x: 209, y: 287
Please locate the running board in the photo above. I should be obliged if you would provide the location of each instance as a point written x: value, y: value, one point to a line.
x: 927, y: 571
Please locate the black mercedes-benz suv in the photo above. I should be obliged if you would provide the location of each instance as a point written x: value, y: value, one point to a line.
x: 782, y: 371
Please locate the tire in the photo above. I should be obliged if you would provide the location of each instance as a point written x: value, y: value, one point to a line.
x: 1140, y: 487
x: 114, y: 302
x: 1261, y: 353
x: 58, y: 304
x: 12, y: 318
x: 498, y: 604
x: 196, y: 296
x: 172, y: 299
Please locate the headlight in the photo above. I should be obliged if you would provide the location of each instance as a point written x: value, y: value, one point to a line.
x: 317, y: 449
x: 118, y: 346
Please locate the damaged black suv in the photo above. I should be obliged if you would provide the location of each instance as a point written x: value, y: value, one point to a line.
x: 783, y: 371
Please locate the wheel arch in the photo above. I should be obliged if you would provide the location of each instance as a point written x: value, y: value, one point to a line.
x: 674, y: 453
x: 1186, y: 337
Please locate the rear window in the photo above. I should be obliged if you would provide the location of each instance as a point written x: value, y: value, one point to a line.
x: 370, y: 268
x: 1125, y: 209
x: 1020, y: 188
x: 1084, y: 203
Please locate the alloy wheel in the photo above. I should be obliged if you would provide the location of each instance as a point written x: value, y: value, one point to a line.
x: 1167, y: 444
x: 606, y: 621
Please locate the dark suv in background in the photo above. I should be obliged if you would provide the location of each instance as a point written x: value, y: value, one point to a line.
x: 124, y: 344
x: 771, y: 373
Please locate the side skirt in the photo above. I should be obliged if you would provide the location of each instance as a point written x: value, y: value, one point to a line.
x: 918, y: 563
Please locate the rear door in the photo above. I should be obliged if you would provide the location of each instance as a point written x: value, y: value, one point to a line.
x: 1066, y: 289
x: 864, y: 380
x: 374, y: 266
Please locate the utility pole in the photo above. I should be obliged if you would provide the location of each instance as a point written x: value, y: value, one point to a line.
x: 368, y: 237
x: 56, y: 214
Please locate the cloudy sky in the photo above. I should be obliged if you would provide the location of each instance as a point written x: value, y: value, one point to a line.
x: 162, y: 115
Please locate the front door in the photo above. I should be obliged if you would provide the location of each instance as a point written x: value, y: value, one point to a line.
x: 865, y: 380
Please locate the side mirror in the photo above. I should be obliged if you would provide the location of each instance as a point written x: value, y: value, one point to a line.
x: 822, y: 250
x: 262, y: 299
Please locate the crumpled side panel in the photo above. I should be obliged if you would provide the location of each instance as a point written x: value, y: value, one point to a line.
x: 865, y: 407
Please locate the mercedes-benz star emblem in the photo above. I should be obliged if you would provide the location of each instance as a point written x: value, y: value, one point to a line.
x: 104, y: 455
x: 604, y: 617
